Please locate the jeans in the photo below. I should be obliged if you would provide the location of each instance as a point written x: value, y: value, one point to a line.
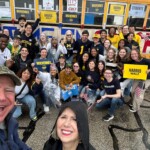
x: 30, y: 102
x: 111, y: 103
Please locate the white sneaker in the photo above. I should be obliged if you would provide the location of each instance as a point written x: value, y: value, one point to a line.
x: 57, y: 103
x: 46, y: 108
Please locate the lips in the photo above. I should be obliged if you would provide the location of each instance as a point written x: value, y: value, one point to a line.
x: 66, y: 132
x: 2, y: 108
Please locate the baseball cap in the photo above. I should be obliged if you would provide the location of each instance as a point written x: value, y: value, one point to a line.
x: 69, y: 65
x: 5, y: 71
x: 96, y: 36
x: 61, y: 56
x: 17, y: 37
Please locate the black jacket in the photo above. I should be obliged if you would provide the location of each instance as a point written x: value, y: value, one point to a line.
x: 31, y: 44
x: 82, y: 47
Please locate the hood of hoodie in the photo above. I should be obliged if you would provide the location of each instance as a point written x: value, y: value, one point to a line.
x: 80, y: 110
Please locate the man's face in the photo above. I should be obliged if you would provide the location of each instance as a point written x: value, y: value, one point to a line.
x: 125, y: 30
x: 7, y: 96
x: 108, y: 74
x: 3, y: 43
x: 17, y: 42
x: 84, y: 37
x: 44, y: 53
x: 131, y: 29
x: 103, y: 35
x: 22, y: 23
x: 68, y: 70
x: 24, y: 52
x: 112, y: 32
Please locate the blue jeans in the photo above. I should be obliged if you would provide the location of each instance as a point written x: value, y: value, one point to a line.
x: 111, y: 103
x: 30, y: 102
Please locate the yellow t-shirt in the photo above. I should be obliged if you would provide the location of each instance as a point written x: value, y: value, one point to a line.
x: 14, y: 50
x: 114, y: 40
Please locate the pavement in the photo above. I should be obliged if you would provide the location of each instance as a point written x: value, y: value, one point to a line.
x: 127, y: 131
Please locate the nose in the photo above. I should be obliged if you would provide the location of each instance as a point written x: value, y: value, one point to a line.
x: 67, y: 122
x: 2, y: 95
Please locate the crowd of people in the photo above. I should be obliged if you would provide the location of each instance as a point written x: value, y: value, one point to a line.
x: 81, y: 69
x: 90, y: 71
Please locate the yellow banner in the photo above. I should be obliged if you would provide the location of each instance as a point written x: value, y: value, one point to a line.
x: 48, y: 16
x: 116, y: 9
x: 135, y: 71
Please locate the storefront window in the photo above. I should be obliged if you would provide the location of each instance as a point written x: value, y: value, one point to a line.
x: 116, y: 12
x: 137, y: 15
x: 5, y: 11
x: 72, y: 11
x: 25, y: 8
x: 49, y: 10
x: 94, y: 12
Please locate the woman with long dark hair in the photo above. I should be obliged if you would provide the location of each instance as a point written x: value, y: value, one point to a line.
x: 71, y: 129
x: 23, y: 95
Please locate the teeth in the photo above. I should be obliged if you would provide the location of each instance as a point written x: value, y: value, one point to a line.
x: 66, y: 132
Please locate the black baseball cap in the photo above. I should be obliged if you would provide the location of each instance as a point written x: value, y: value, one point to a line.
x: 61, y: 56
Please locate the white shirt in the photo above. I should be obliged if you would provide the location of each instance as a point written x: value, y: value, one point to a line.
x: 5, y: 55
x: 18, y: 89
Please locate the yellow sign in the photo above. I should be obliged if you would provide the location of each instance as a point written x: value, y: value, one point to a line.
x: 48, y: 16
x: 135, y: 71
x: 116, y: 9
x: 144, y: 55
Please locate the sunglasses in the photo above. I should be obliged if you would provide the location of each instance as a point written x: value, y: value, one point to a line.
x: 68, y: 35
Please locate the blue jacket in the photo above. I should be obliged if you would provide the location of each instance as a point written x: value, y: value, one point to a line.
x: 11, y: 141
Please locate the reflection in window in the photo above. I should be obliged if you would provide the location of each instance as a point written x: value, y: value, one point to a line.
x: 116, y: 14
x: 25, y: 8
x: 148, y: 21
x: 94, y: 12
x: 69, y: 15
x: 5, y: 12
x: 137, y: 15
x: 49, y: 10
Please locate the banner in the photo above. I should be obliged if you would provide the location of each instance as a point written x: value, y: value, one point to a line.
x: 116, y: 9
x: 71, y: 17
x: 93, y: 6
x: 135, y: 71
x: 72, y: 5
x: 29, y: 14
x: 137, y: 11
x: 48, y: 16
x: 48, y: 4
x: 42, y: 65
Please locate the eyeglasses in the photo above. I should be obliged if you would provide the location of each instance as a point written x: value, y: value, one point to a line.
x: 107, y: 73
x: 76, y: 66
x: 68, y: 35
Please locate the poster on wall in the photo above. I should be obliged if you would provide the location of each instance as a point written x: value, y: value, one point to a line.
x: 72, y: 5
x: 137, y: 11
x: 48, y: 4
x: 116, y: 9
x: 5, y: 13
x: 48, y: 16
